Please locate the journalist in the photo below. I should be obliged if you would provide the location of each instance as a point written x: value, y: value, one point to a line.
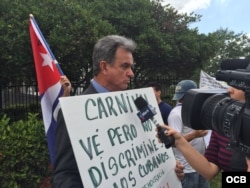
x: 218, y: 157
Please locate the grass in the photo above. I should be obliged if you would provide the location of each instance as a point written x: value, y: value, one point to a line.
x: 216, y: 182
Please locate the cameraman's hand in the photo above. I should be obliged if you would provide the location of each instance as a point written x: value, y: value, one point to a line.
x: 200, y: 133
x: 195, y: 134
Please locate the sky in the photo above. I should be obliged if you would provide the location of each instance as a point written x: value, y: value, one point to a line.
x: 216, y: 14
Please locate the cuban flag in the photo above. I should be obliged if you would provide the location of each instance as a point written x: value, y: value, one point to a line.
x: 48, y: 75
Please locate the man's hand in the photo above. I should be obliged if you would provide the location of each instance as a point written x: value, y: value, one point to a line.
x: 66, y: 86
x: 179, y: 170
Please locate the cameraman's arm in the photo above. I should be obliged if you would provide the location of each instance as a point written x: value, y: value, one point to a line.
x: 195, y: 134
x: 207, y: 169
x: 248, y: 164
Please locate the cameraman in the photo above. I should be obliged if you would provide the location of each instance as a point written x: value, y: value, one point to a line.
x: 217, y: 156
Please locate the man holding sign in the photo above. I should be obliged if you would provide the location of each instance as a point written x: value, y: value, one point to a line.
x: 112, y: 69
x: 98, y: 142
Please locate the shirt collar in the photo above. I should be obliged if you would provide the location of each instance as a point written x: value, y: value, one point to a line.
x: 178, y: 104
x: 99, y: 88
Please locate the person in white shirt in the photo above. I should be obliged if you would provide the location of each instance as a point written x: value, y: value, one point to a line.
x: 195, y: 137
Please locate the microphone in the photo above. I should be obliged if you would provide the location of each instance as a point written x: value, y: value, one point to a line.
x: 147, y: 112
x: 234, y: 64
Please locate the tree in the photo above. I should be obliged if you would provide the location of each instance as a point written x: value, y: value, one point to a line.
x: 166, y: 46
x: 163, y: 38
x: 227, y: 45
x: 71, y: 37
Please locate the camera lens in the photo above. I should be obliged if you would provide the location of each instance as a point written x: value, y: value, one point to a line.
x: 219, y: 113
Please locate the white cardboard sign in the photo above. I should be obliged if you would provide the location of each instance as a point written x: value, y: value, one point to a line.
x: 111, y: 145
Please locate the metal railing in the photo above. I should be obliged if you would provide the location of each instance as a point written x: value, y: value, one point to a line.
x: 20, y: 99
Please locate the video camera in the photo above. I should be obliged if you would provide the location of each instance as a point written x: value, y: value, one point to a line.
x: 213, y: 109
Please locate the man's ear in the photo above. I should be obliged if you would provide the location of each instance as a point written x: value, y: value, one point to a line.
x: 103, y: 66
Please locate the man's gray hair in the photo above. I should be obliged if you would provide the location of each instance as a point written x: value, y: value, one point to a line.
x: 105, y: 49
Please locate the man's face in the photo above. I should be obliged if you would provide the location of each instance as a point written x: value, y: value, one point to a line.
x: 120, y: 72
x: 157, y: 93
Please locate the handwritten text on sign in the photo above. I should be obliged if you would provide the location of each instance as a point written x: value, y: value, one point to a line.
x: 112, y: 147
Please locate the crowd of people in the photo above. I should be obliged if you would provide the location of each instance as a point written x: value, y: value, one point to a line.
x: 112, y: 71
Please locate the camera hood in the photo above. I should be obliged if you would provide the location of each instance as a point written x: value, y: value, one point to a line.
x: 192, y: 106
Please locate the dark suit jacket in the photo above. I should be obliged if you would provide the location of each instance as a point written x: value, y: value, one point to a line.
x: 66, y: 172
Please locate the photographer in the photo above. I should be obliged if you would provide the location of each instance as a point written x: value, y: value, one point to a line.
x: 217, y: 156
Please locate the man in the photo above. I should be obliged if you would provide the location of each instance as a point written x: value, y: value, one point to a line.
x: 112, y: 68
x: 164, y: 107
x: 194, y: 137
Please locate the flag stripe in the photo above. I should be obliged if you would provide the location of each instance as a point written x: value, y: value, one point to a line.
x: 49, y: 101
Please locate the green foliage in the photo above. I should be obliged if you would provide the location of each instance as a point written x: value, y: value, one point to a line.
x: 23, y: 153
x: 20, y: 111
x: 163, y: 38
x: 227, y: 45
x: 166, y: 45
x: 67, y: 26
x: 216, y: 182
x: 72, y: 36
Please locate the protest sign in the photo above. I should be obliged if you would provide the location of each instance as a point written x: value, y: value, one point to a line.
x: 209, y: 82
x: 112, y: 147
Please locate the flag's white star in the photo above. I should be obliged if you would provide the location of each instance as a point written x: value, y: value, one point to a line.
x: 47, y: 61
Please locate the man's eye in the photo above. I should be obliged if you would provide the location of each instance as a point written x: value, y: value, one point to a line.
x: 127, y: 66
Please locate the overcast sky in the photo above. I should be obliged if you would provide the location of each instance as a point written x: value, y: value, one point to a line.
x: 216, y: 14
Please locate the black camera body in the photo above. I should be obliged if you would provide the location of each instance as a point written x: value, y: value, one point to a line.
x: 213, y: 109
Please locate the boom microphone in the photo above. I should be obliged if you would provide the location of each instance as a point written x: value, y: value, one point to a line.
x: 234, y: 64
x: 147, y: 112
